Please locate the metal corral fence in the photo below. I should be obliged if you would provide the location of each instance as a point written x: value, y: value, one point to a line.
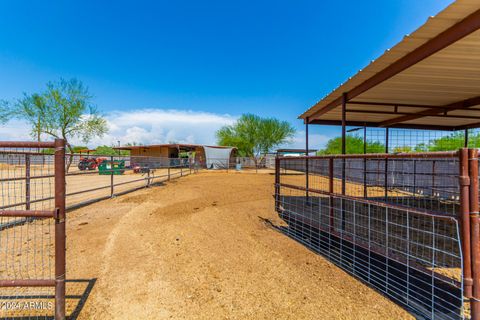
x: 406, y: 224
x: 32, y: 234
x: 36, y: 189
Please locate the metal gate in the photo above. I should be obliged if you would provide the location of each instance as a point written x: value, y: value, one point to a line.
x: 32, y: 238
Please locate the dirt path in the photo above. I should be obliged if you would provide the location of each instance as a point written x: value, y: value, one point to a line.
x: 196, y: 248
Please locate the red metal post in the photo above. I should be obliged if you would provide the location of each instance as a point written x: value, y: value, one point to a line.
x: 387, y: 131
x: 365, y: 191
x: 344, y: 138
x: 331, y: 190
x: 277, y: 184
x: 60, y: 233
x: 111, y: 178
x: 465, y: 221
x: 27, y: 182
x: 474, y: 233
x: 306, y: 161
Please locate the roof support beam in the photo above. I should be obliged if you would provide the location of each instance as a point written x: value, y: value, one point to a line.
x: 441, y: 41
x: 441, y: 115
x: 390, y: 104
x: 465, y: 104
x: 375, y: 125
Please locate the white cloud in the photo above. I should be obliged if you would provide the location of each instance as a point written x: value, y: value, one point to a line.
x: 150, y: 126
x: 147, y: 126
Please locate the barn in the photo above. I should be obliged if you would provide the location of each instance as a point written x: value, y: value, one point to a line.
x: 160, y: 155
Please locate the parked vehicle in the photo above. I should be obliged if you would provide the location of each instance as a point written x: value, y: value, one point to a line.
x: 89, y: 163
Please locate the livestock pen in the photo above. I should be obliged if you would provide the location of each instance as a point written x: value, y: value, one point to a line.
x: 36, y: 190
x: 395, y: 200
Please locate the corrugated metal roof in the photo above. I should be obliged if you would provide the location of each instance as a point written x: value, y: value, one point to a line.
x: 448, y: 76
x: 169, y: 145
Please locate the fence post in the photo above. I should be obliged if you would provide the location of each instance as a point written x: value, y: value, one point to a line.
x: 27, y: 182
x: 474, y: 232
x: 277, y: 184
x: 168, y: 172
x: 414, y: 178
x: 330, y: 190
x: 111, y: 178
x: 464, y: 218
x: 433, y: 177
x: 60, y: 235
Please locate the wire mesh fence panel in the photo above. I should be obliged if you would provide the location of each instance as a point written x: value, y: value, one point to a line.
x: 361, y: 140
x: 366, y: 222
x: 28, y: 236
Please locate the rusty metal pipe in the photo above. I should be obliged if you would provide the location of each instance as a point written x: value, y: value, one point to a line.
x: 60, y: 234
x: 27, y: 213
x: 27, y: 182
x: 27, y: 283
x: 277, y: 184
x: 474, y: 232
x: 331, y: 189
x: 425, y: 155
x: 464, y: 218
x: 26, y: 144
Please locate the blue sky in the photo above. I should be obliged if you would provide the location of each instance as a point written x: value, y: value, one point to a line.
x: 161, y: 70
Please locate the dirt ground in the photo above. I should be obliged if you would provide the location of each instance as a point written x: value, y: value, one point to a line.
x: 198, y: 248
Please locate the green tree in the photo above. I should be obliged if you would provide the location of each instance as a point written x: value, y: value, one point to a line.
x: 353, y: 144
x: 254, y: 136
x: 450, y: 142
x: 64, y: 110
x: 5, y: 111
x: 109, y: 151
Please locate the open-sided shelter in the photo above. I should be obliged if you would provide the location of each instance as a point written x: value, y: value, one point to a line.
x: 405, y: 222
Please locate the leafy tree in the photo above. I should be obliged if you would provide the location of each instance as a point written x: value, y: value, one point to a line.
x: 5, y: 111
x: 254, y: 136
x: 77, y: 149
x: 354, y: 145
x: 454, y: 141
x: 109, y: 151
x: 63, y: 110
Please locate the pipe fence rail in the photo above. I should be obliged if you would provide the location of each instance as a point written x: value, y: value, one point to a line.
x: 406, y: 224
x: 36, y: 189
x: 26, y: 177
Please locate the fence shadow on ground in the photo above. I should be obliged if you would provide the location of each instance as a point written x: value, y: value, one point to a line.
x: 442, y: 309
x: 79, y: 300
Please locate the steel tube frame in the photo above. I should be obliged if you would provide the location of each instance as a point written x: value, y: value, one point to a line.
x: 58, y: 214
x: 468, y: 217
x: 27, y: 213
x: 365, y: 191
x: 464, y: 182
x: 60, y: 229
x: 27, y: 283
x: 474, y: 232
x: 387, y: 131
x: 306, y: 161
x: 425, y: 155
